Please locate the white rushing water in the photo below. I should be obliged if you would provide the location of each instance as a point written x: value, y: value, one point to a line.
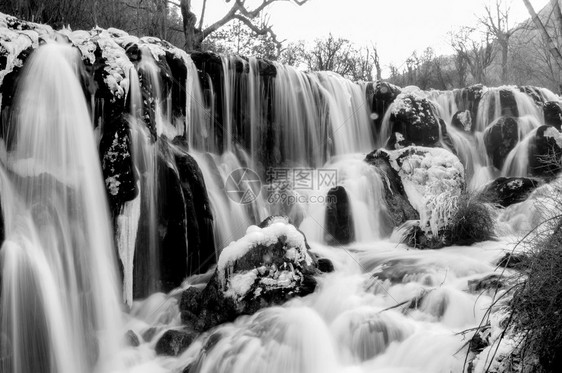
x: 385, y: 308
x: 59, y: 283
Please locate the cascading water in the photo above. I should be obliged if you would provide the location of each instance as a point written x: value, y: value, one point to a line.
x: 384, y: 308
x: 60, y: 310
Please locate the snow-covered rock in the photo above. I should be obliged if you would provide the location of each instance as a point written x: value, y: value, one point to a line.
x: 413, y: 121
x: 433, y: 180
x: 506, y: 191
x: 268, y: 266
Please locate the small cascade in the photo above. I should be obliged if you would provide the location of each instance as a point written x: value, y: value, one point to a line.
x: 364, y: 189
x: 199, y: 125
x: 517, y: 161
x: 489, y: 108
x: 60, y: 308
x: 298, y: 134
x: 350, y: 125
x: 228, y: 99
x: 231, y: 217
x: 145, y: 157
x: 446, y: 104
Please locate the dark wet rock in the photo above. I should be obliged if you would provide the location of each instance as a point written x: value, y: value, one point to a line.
x: 545, y: 152
x: 500, y: 138
x: 174, y: 342
x: 339, y: 218
x: 480, y: 340
x: 395, y: 270
x: 534, y: 93
x: 423, y: 239
x: 185, y: 223
x: 462, y: 120
x: 132, y: 339
x: 510, y: 260
x: 149, y: 334
x: 248, y: 279
x: 380, y: 95
x: 469, y: 98
x: 8, y: 85
x: 414, y: 119
x: 178, y: 75
x: 201, y: 254
x: 553, y: 114
x: 399, y: 208
x: 506, y: 191
x: 508, y: 103
x: 172, y: 222
x: 490, y: 282
x: 117, y: 163
x: 184, y: 220
x: 325, y: 265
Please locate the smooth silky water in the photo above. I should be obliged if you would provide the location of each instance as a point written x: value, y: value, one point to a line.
x: 62, y: 306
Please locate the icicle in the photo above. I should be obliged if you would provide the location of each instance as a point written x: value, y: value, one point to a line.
x: 127, y: 227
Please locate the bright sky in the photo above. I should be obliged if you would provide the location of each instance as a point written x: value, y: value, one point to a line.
x: 396, y: 27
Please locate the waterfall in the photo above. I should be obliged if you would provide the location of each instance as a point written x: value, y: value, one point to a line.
x: 60, y: 307
x: 191, y: 125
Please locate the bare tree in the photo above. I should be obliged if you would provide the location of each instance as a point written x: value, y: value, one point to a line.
x: 196, y: 33
x: 496, y: 22
x: 377, y: 62
x: 548, y: 39
x: 476, y: 49
x: 330, y: 54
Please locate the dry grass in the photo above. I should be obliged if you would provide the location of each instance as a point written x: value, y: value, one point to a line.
x: 537, y: 303
x: 472, y: 222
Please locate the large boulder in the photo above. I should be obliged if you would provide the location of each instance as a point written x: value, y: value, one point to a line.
x: 500, y: 138
x: 185, y: 243
x: 506, y: 191
x: 553, y: 114
x: 398, y: 208
x: 433, y: 179
x: 173, y: 342
x: 339, y: 219
x: 413, y: 121
x: 545, y: 152
x: 268, y: 266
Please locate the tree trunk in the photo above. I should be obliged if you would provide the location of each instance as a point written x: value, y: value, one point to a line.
x: 189, y: 20
x: 554, y: 51
x: 505, y: 50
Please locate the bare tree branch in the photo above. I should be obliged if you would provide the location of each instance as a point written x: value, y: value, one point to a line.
x: 547, y: 38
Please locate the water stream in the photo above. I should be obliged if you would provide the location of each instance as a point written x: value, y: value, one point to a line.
x: 62, y: 308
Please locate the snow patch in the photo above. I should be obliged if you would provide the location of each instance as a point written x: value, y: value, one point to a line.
x: 294, y: 244
x: 553, y: 133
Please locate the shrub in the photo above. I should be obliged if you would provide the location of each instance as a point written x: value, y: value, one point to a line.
x: 537, y: 303
x: 471, y: 223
